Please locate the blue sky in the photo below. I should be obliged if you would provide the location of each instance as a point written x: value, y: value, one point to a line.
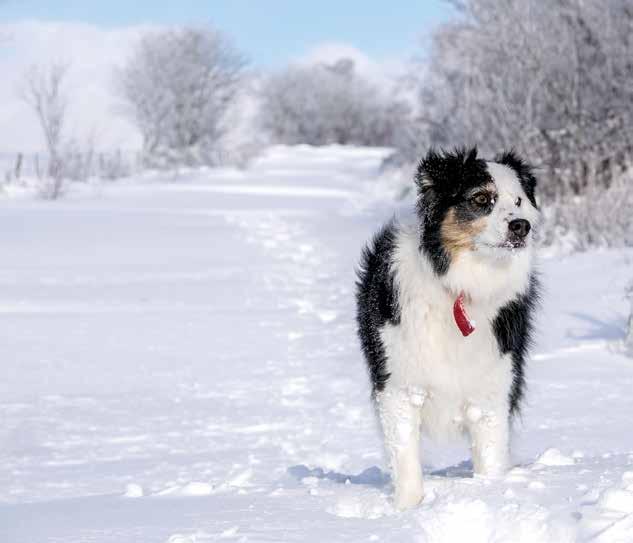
x: 270, y: 32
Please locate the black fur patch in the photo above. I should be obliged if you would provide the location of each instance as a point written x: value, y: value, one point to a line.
x: 377, y: 301
x: 523, y: 171
x: 513, y: 329
x: 443, y: 180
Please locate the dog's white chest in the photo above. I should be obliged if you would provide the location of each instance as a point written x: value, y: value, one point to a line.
x: 428, y: 355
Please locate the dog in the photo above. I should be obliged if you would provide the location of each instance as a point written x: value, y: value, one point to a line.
x: 445, y: 310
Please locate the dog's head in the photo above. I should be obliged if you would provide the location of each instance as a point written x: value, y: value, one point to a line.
x: 467, y: 204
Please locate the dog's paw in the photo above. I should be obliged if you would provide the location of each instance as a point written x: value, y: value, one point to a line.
x: 491, y: 468
x: 408, y: 497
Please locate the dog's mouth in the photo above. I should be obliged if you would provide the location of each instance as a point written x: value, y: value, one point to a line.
x: 508, y: 245
x: 518, y: 243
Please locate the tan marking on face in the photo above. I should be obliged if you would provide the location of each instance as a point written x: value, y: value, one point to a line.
x: 460, y: 236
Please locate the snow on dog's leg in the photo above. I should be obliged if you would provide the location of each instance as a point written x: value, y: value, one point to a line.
x: 399, y: 414
x: 489, y: 434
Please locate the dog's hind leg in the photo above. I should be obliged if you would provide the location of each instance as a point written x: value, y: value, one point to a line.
x: 399, y: 413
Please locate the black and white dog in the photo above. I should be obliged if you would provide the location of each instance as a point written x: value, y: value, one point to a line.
x: 445, y: 310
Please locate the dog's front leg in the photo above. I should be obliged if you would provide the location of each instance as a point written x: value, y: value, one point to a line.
x: 489, y: 433
x: 399, y: 413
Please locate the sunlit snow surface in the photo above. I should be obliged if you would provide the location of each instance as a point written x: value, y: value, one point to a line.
x: 179, y: 364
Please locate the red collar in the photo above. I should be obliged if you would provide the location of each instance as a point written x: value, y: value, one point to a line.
x: 465, y: 325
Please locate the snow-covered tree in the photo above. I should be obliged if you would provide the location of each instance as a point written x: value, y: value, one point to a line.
x: 551, y: 79
x: 44, y: 92
x: 322, y: 104
x: 178, y: 85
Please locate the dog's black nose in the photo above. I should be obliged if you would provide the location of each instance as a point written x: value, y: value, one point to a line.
x: 520, y: 227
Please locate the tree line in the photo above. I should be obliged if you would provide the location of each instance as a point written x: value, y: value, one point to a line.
x: 549, y: 79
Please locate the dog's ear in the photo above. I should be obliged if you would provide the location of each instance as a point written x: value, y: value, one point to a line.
x: 444, y: 172
x: 523, y: 170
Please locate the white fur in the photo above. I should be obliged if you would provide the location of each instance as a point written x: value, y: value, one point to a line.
x: 508, y: 190
x: 442, y: 383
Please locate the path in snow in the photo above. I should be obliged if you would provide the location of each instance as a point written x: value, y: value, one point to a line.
x: 181, y: 365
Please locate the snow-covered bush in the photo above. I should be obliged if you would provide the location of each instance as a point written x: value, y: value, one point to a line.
x: 178, y: 86
x: 115, y: 165
x: 601, y: 217
x: 82, y: 162
x: 77, y: 160
x: 324, y: 104
x: 550, y: 79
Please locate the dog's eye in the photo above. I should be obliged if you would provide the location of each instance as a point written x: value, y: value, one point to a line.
x: 481, y: 199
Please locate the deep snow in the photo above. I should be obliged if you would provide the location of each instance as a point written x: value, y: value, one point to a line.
x: 180, y: 364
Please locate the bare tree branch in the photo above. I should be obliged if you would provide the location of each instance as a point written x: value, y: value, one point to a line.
x: 43, y: 91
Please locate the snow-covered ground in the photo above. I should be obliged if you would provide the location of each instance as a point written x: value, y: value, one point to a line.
x: 179, y: 364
